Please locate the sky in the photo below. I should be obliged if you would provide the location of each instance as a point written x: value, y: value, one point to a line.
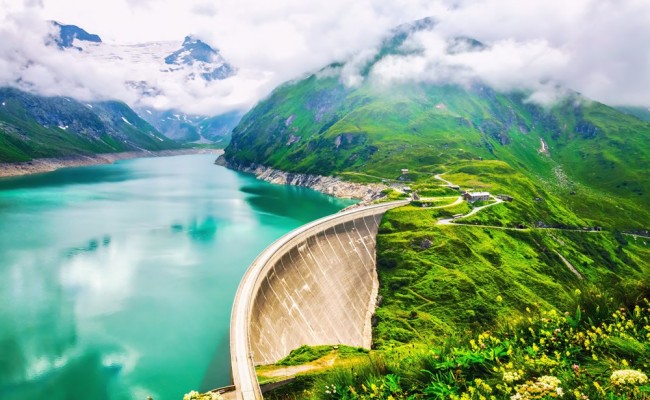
x: 597, y: 47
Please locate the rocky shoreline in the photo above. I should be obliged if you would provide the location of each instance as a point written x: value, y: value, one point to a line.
x: 324, y: 184
x: 39, y: 165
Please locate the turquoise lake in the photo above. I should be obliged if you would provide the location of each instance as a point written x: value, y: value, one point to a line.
x: 116, y: 281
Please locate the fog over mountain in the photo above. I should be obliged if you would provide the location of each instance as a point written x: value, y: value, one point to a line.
x: 539, y: 46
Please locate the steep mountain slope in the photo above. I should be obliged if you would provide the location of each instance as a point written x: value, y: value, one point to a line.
x: 643, y: 113
x: 192, y: 128
x: 208, y: 62
x: 585, y: 150
x: 35, y: 127
x: 219, y: 128
x: 154, y: 66
x: 451, y: 270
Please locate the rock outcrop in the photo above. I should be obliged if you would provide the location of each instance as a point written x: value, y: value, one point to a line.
x: 325, y: 184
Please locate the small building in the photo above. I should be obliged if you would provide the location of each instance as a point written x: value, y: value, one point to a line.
x: 455, y: 187
x: 476, y: 196
x: 415, y: 196
x: 405, y: 171
x: 406, y: 189
x: 504, y: 197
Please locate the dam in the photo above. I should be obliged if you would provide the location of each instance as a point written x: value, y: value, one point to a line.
x: 316, y: 285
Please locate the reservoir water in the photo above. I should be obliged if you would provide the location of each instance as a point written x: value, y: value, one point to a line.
x: 116, y: 281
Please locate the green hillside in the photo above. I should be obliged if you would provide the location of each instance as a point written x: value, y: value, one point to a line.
x: 577, y: 174
x: 36, y: 127
x: 319, y: 126
x: 643, y: 113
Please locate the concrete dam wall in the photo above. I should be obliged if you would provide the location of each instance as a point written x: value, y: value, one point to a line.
x: 317, y: 285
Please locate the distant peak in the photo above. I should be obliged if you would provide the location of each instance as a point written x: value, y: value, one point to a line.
x: 190, y: 39
x: 68, y: 34
x: 424, y: 24
x: 401, y: 33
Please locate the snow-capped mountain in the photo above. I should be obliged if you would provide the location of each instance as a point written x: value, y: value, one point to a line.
x: 158, y: 70
x: 196, y: 54
x: 192, y: 128
x: 69, y: 33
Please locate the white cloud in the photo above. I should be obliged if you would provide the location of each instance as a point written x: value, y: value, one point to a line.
x: 505, y: 65
x: 598, y: 47
x: 205, y: 9
x: 605, y: 41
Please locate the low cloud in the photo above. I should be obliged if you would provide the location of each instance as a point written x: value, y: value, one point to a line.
x: 140, y: 3
x: 596, y: 47
x: 504, y: 65
x: 205, y: 9
x: 604, y: 42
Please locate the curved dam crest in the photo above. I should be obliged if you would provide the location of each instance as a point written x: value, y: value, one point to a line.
x: 315, y: 286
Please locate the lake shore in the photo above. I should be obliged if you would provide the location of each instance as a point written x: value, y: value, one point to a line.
x: 39, y: 165
x: 329, y: 185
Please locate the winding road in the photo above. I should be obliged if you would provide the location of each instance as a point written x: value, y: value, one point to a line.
x: 440, y: 178
x: 243, y: 368
x: 447, y: 221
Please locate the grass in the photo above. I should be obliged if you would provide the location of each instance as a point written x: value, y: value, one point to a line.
x: 39, y: 127
x: 595, y: 173
x: 443, y: 284
x: 305, y: 354
x: 597, y: 350
x: 438, y: 280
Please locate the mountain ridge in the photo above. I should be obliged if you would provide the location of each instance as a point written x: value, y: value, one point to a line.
x: 190, y: 60
x: 69, y: 33
x: 588, y: 152
x: 33, y: 126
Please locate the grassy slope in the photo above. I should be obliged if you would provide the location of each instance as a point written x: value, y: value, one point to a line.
x: 30, y: 128
x: 451, y: 287
x: 597, y: 163
x: 643, y: 113
x: 442, y: 281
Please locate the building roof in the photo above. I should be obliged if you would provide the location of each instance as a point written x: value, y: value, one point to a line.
x: 477, y: 194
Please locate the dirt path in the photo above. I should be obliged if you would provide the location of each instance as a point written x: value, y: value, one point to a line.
x: 477, y: 209
x: 374, y: 176
x: 447, y: 221
x: 438, y: 177
x: 570, y: 266
x: 283, y: 372
x: 458, y: 200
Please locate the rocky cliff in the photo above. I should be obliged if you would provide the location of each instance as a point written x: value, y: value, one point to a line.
x: 325, y: 184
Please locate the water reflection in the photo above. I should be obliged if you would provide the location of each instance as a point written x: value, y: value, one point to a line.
x: 292, y: 202
x: 70, y: 176
x: 39, y: 334
x: 116, y: 282
x: 199, y: 229
x: 91, y: 246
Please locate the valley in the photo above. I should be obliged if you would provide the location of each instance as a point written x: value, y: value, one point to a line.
x: 434, y: 201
